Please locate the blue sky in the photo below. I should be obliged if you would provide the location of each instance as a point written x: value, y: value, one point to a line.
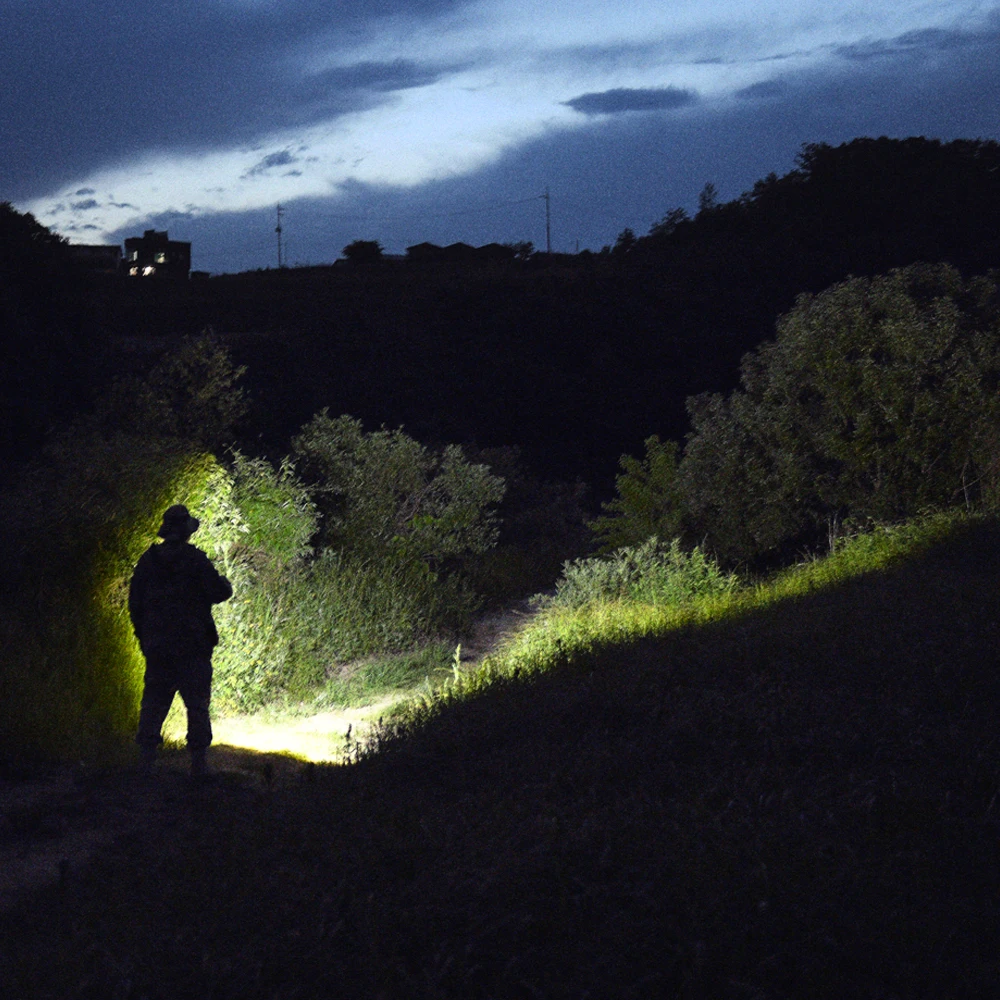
x: 445, y: 120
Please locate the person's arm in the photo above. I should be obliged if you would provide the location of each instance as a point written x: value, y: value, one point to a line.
x: 216, y: 587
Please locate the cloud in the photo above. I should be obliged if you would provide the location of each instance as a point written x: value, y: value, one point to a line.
x: 84, y: 206
x: 381, y: 77
x: 764, y: 90
x: 93, y: 83
x: 209, y: 105
x: 909, y: 43
x: 620, y: 100
x: 283, y: 158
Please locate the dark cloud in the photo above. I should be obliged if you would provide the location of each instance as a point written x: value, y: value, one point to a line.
x: 84, y: 191
x: 622, y: 99
x: 83, y: 206
x: 382, y: 77
x: 284, y: 158
x: 912, y: 42
x: 606, y: 58
x: 87, y: 83
x: 765, y: 90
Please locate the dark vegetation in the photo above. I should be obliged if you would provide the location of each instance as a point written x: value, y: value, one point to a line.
x: 574, y: 359
x: 794, y: 798
x: 798, y: 803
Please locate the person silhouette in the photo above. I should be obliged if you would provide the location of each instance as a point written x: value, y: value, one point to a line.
x: 170, y: 600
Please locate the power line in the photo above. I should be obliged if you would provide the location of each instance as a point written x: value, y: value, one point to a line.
x: 393, y: 216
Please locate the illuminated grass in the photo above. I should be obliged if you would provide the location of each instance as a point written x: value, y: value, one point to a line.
x: 72, y: 671
x: 559, y: 636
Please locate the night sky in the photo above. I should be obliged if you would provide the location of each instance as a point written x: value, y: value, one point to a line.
x: 443, y: 120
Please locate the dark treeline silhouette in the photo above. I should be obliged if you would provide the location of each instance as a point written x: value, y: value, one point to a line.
x: 577, y: 359
x: 47, y: 338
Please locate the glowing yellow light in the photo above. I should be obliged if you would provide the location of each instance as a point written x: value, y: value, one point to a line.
x: 320, y: 738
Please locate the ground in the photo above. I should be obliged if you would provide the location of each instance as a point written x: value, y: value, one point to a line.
x: 53, y: 817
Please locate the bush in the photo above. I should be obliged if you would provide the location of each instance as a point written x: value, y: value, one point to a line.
x: 877, y: 401
x: 76, y: 520
x: 649, y: 499
x: 257, y: 523
x: 385, y: 494
x: 75, y: 527
x: 651, y: 573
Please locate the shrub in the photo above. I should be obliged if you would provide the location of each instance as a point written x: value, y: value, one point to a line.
x: 649, y: 499
x: 651, y: 573
x: 75, y: 522
x: 878, y: 400
x: 384, y: 494
x: 76, y: 525
x: 257, y: 523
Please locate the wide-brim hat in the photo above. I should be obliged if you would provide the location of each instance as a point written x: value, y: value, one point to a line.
x: 178, y: 523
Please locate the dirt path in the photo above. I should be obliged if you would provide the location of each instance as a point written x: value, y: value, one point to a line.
x: 321, y: 737
x: 53, y: 818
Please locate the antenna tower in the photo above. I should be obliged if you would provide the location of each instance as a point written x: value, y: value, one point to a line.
x: 277, y: 229
x: 548, y: 220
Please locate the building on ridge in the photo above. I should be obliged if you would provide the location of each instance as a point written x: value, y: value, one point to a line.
x: 154, y: 255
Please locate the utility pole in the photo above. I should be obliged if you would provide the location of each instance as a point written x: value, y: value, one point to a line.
x: 548, y: 220
x: 277, y: 229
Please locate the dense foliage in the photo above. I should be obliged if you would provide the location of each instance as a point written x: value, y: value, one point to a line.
x: 877, y: 400
x: 46, y: 344
x: 577, y: 358
x: 364, y: 560
x: 383, y: 494
x: 651, y: 573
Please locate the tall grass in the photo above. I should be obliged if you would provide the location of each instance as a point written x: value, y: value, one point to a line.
x: 71, y: 678
x: 565, y: 632
x: 72, y: 670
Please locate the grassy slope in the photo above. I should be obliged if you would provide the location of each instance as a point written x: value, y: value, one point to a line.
x: 796, y: 802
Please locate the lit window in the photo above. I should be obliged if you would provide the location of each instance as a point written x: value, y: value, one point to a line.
x: 160, y: 258
x: 134, y: 255
x: 134, y: 272
x: 148, y: 270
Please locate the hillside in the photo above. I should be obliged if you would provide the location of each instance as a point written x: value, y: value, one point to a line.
x: 797, y: 802
x: 574, y: 358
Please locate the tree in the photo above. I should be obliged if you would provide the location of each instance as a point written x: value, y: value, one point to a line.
x: 385, y: 494
x: 363, y: 253
x: 625, y: 242
x: 708, y: 199
x: 191, y: 394
x: 648, y: 502
x: 523, y: 249
x: 669, y: 224
x: 877, y: 400
x: 48, y: 356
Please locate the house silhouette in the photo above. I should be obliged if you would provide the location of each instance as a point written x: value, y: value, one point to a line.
x: 155, y: 255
